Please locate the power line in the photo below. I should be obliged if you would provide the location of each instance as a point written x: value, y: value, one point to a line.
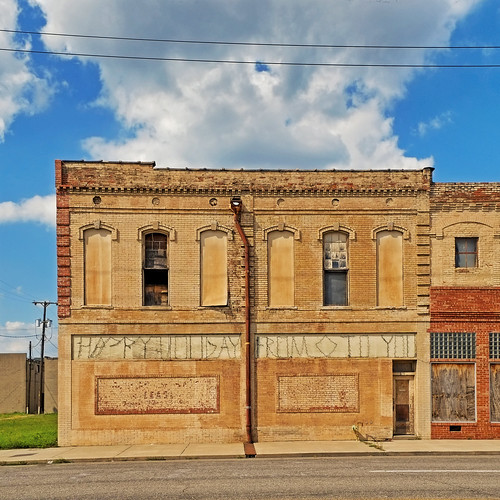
x: 256, y: 44
x: 265, y: 63
x: 17, y: 293
x: 18, y: 336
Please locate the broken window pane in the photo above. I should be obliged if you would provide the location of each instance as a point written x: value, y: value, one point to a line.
x: 155, y: 270
x: 466, y: 252
x: 335, y: 264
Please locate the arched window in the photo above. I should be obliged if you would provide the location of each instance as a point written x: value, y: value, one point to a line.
x: 281, y: 275
x: 97, y: 262
x: 389, y: 268
x: 335, y: 268
x: 155, y: 270
x: 213, y: 266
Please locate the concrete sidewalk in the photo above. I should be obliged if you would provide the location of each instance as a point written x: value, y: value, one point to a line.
x: 236, y: 450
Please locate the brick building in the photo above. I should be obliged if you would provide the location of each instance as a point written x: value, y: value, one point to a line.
x: 465, y: 310
x: 215, y: 305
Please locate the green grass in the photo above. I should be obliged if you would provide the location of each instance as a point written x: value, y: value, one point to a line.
x: 18, y: 430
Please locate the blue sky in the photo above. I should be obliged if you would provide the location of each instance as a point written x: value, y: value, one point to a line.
x: 255, y: 115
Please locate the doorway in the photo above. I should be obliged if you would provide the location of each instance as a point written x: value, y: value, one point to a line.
x: 403, y: 410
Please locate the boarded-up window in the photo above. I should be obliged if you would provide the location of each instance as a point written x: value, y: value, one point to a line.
x: 97, y: 251
x: 495, y: 392
x: 280, y: 268
x: 335, y: 264
x: 389, y: 268
x: 155, y: 270
x: 453, y: 392
x: 213, y: 268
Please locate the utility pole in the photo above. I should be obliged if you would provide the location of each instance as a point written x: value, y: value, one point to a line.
x: 43, y: 323
x: 28, y: 396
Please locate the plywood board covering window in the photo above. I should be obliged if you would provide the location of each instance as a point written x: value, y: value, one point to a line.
x: 453, y: 392
x: 97, y: 266
x: 280, y: 268
x: 495, y: 392
x: 389, y: 268
x: 213, y: 268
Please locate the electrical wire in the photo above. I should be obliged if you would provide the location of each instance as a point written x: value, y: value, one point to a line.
x: 255, y: 44
x: 18, y: 336
x: 17, y: 293
x: 265, y: 63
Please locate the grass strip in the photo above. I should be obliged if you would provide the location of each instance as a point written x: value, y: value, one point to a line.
x: 18, y: 430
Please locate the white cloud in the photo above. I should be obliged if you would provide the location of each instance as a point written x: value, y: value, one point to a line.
x: 216, y: 115
x: 15, y: 337
x: 435, y: 123
x: 21, y: 91
x: 41, y: 209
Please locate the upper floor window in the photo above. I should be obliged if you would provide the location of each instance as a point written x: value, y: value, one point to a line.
x: 97, y: 262
x: 281, y: 275
x: 389, y: 268
x: 213, y: 248
x: 335, y: 269
x: 155, y: 270
x: 466, y: 252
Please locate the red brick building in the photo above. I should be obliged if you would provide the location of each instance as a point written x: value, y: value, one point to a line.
x: 465, y: 311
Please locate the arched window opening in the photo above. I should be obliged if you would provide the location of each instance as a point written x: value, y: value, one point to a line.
x: 213, y: 266
x: 389, y: 268
x: 155, y: 270
x: 97, y: 266
x: 335, y: 269
x: 281, y: 276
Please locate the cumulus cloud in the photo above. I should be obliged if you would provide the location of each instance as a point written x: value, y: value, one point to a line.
x: 21, y: 90
x: 435, y: 123
x: 41, y: 209
x: 259, y: 114
x: 15, y: 337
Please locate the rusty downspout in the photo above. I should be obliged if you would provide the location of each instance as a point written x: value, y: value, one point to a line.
x: 249, y: 448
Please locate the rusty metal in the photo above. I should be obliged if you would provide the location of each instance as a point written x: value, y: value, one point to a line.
x: 236, y: 206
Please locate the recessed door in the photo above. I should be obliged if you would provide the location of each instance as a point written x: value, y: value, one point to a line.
x: 403, y: 406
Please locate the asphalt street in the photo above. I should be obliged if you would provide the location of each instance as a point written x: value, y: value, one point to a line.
x: 280, y: 478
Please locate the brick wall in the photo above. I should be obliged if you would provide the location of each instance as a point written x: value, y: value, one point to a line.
x: 128, y: 199
x: 467, y: 299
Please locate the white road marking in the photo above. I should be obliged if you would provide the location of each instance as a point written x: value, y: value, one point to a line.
x: 431, y: 471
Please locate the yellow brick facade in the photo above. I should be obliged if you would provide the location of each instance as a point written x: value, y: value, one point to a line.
x: 346, y: 355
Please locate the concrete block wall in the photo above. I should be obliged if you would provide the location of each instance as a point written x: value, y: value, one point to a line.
x: 12, y: 383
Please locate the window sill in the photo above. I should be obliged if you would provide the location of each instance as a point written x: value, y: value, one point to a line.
x: 97, y: 307
x: 282, y: 308
x: 204, y: 308
x: 156, y: 308
x: 466, y: 269
x: 391, y: 308
x: 334, y: 308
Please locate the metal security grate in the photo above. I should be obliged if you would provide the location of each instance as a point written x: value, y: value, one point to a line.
x: 494, y: 345
x: 453, y: 345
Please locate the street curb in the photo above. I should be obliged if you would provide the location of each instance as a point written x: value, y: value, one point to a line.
x: 165, y: 458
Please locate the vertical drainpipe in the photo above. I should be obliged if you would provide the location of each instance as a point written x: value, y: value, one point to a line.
x: 236, y: 206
